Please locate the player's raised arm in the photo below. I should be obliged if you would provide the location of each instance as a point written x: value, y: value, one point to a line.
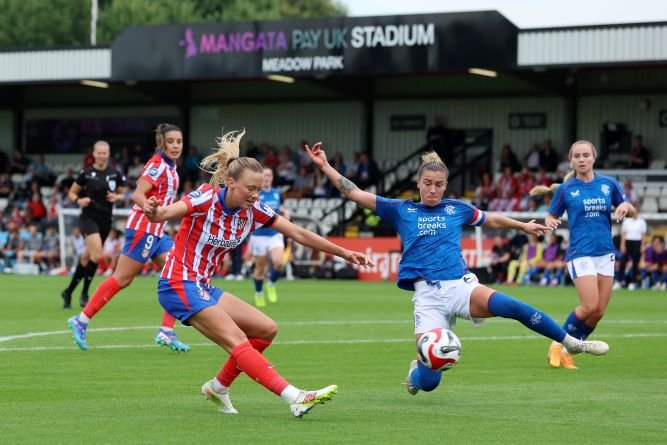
x: 344, y: 185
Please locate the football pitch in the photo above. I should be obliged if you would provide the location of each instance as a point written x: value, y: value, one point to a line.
x: 358, y: 335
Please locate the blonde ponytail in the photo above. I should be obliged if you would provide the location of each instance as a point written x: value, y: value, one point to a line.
x: 539, y: 190
x: 225, y: 162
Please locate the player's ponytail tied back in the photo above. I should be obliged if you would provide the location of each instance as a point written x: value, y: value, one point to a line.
x: 160, y: 131
x: 225, y: 162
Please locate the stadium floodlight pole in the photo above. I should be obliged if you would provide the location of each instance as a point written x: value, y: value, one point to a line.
x: 93, y: 22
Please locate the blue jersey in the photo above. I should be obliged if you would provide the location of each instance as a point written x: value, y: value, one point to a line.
x: 589, y: 207
x: 272, y: 199
x: 431, y: 237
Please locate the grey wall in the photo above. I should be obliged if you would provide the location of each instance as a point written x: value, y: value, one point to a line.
x: 339, y: 124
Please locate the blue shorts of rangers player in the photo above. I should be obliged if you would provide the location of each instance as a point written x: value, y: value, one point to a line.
x: 142, y: 246
x: 182, y: 299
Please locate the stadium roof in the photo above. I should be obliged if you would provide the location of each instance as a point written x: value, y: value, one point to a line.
x: 600, y: 45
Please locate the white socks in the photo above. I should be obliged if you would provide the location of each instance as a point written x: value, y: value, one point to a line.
x: 290, y: 394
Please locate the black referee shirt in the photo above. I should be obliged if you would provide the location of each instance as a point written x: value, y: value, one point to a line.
x: 95, y: 184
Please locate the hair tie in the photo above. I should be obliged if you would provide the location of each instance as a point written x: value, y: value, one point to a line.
x: 230, y: 160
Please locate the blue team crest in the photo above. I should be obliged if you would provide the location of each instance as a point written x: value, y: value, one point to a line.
x: 195, y: 194
x: 605, y: 189
x: 152, y: 172
x: 449, y: 209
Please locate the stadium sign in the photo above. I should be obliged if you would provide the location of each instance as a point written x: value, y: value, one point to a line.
x: 346, y: 46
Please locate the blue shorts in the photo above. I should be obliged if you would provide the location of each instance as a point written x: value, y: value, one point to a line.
x: 142, y: 246
x: 183, y: 299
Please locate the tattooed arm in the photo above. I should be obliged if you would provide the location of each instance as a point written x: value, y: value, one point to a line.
x: 344, y: 185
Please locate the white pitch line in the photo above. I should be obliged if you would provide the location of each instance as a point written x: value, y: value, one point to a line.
x: 290, y: 323
x: 334, y: 342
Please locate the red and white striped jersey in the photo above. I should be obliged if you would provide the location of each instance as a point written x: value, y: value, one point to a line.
x: 161, y: 172
x: 208, y: 231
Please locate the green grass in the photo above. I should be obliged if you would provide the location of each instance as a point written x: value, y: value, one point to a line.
x: 355, y: 334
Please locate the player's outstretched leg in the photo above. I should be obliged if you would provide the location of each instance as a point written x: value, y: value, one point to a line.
x: 504, y: 306
x: 78, y: 331
x: 421, y: 378
x: 218, y: 394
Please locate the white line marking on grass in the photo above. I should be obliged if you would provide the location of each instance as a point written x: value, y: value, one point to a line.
x: 290, y: 323
x: 332, y: 342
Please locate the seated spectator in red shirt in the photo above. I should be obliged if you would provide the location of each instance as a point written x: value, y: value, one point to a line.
x: 37, y: 207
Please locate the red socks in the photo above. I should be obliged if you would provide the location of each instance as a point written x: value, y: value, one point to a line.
x: 167, y: 321
x: 230, y: 370
x: 103, y: 294
x: 258, y: 368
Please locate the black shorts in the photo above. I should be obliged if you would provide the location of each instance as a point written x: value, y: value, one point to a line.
x: 89, y: 226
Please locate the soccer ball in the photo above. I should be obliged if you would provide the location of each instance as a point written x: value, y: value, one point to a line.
x: 439, y: 349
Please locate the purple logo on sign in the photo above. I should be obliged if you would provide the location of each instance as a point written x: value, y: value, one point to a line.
x: 189, y: 43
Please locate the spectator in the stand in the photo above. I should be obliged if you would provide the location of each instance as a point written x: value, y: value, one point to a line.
x: 56, y: 201
x: 286, y: 169
x: 20, y: 162
x: 436, y: 139
x: 639, y: 155
x: 655, y: 264
x: 9, y: 251
x: 191, y: 165
x: 369, y: 172
x: 16, y: 217
x: 320, y: 182
x: 39, y: 171
x: 550, y: 157
x: 303, y: 184
x: 339, y: 165
x: 630, y: 192
x: 271, y: 160
x: 304, y: 159
x: 553, y: 263
x: 542, y: 178
x: 633, y: 231
x: 507, y: 199
x: 48, y: 256
x: 111, y: 251
x: 527, y: 263
x: 508, y: 159
x: 485, y: 192
x: 563, y: 168
x: 353, y: 167
x: 6, y: 185
x: 37, y: 207
x: 533, y: 158
x: 78, y: 243
x: 526, y: 182
x: 31, y: 245
x: 500, y: 258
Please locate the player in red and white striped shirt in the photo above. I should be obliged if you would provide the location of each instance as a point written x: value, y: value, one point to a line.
x: 144, y: 240
x: 215, y: 219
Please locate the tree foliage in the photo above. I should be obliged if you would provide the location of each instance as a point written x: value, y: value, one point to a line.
x: 39, y: 23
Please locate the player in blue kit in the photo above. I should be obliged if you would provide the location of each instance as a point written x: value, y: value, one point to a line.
x: 268, y: 243
x: 433, y: 266
x: 588, y: 198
